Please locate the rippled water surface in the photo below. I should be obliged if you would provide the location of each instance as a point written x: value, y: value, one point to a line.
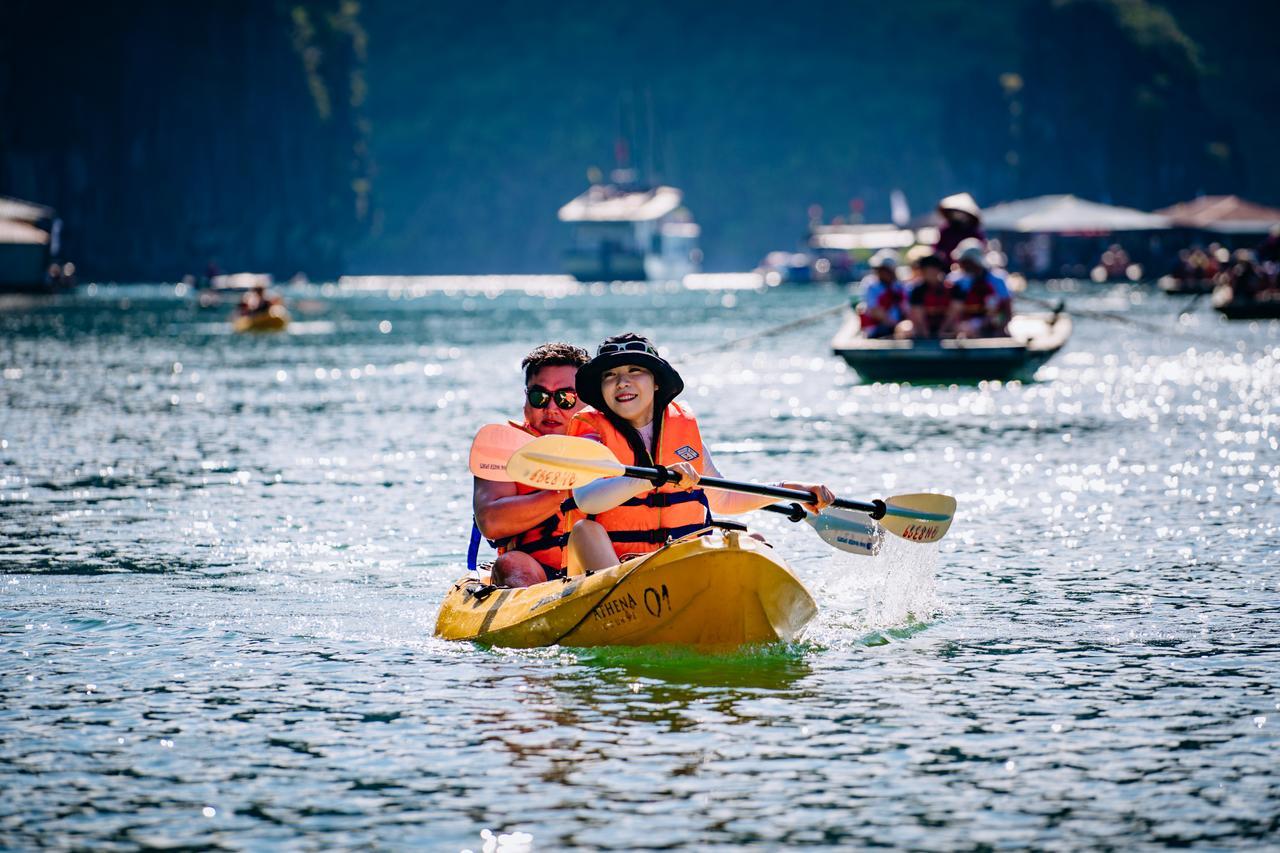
x: 222, y: 559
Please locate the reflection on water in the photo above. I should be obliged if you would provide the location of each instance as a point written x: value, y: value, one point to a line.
x: 222, y: 558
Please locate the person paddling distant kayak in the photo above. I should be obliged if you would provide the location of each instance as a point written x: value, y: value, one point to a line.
x: 631, y: 392
x: 528, y: 525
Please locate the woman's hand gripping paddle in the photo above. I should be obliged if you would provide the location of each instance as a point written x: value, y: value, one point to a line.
x: 566, y: 462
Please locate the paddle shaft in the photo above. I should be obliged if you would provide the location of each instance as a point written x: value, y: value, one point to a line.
x: 659, y: 476
x: 793, y: 511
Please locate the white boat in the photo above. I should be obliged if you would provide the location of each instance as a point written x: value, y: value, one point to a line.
x: 28, y: 246
x: 629, y: 233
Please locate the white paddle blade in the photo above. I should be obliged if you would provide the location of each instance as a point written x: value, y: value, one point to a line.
x: 847, y: 530
x: 562, y: 462
x: 919, y: 517
x: 492, y: 447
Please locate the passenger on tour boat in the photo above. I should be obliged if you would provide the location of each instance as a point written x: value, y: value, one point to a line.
x: 1248, y: 279
x: 981, y: 303
x: 929, y: 301
x: 883, y: 304
x: 528, y: 526
x: 1269, y: 249
x: 961, y: 220
x: 631, y: 392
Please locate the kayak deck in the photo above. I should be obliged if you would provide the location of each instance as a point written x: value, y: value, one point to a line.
x: 724, y: 589
x: 1033, y: 340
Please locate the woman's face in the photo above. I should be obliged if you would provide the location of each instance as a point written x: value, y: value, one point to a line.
x: 628, y: 390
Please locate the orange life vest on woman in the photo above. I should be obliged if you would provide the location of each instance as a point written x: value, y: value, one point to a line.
x: 546, y: 540
x: 644, y: 523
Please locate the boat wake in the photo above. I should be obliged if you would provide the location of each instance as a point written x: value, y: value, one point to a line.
x: 893, y: 595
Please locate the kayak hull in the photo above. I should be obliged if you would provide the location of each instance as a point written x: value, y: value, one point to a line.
x: 1033, y: 340
x: 276, y: 319
x: 724, y: 589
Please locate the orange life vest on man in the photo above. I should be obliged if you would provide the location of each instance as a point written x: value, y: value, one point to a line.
x: 644, y: 523
x: 546, y: 540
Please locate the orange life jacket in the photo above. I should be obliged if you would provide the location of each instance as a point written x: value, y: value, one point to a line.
x: 546, y: 540
x: 644, y: 523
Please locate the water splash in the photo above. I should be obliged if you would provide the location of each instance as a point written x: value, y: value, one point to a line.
x: 866, y: 601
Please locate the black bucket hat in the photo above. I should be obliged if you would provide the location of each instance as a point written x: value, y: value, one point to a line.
x: 639, y: 351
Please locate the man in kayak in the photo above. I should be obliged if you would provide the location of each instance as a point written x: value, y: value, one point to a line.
x: 632, y: 390
x: 981, y: 303
x: 257, y: 301
x: 528, y: 525
x: 884, y: 300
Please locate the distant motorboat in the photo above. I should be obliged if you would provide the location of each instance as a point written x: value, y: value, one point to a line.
x: 630, y: 233
x: 29, y: 249
x: 1033, y: 339
x: 227, y: 286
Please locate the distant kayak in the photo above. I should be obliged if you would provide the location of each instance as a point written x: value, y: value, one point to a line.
x: 1033, y: 340
x: 725, y: 589
x: 274, y: 319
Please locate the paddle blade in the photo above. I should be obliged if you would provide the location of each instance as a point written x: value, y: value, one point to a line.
x: 562, y: 462
x: 919, y: 517
x: 492, y: 447
x: 847, y: 530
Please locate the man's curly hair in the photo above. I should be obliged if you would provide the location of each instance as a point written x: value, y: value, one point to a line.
x: 553, y: 355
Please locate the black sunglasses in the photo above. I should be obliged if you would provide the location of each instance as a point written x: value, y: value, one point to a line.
x: 540, y: 398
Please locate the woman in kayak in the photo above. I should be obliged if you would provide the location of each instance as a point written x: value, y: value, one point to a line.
x: 631, y: 392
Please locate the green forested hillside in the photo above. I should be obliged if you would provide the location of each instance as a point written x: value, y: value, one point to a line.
x: 396, y: 136
x: 761, y: 112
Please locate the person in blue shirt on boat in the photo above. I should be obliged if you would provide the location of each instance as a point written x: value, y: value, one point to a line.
x: 883, y: 304
x: 981, y: 302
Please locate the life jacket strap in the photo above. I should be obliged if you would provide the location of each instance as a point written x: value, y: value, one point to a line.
x: 545, y: 542
x: 658, y: 500
x: 544, y: 527
x: 656, y: 536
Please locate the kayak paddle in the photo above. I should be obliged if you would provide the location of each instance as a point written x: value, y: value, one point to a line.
x: 566, y: 462
x: 492, y: 447
x: 842, y: 529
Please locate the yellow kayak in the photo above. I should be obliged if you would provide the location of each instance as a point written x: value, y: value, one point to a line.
x: 274, y: 319
x: 723, y: 589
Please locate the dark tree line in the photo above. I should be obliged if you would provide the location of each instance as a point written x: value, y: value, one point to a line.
x: 168, y: 134
x: 172, y: 134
